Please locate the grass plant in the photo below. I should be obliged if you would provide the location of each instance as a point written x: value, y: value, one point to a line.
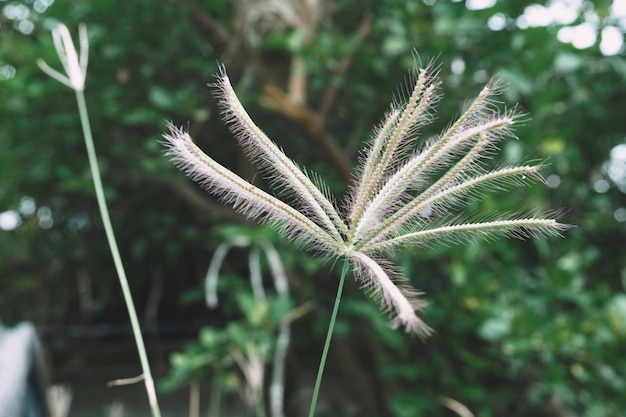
x: 404, y: 193
x: 75, y: 66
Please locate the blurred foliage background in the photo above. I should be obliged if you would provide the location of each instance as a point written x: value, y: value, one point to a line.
x: 523, y: 328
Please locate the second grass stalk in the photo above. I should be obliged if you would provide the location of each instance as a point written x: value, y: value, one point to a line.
x: 108, y: 228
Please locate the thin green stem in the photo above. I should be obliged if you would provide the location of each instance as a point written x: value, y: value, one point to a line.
x: 108, y: 228
x: 260, y: 405
x: 215, y: 396
x: 329, y: 336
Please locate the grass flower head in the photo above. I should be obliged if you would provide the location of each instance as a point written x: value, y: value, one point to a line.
x: 401, y: 196
x: 74, y: 64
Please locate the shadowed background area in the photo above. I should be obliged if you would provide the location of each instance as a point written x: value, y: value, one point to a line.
x: 522, y: 328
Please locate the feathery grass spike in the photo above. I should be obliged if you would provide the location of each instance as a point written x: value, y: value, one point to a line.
x: 283, y: 171
x: 400, y: 197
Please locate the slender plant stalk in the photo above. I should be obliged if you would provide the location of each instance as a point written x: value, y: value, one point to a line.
x: 215, y: 396
x: 260, y: 405
x: 75, y: 66
x: 108, y: 228
x: 194, y: 399
x: 329, y: 336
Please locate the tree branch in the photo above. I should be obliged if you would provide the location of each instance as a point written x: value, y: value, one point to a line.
x: 292, y: 105
x: 331, y: 90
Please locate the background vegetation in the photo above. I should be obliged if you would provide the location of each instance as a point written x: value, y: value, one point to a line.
x: 522, y: 327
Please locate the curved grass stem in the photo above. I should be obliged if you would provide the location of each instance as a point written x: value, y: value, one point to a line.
x: 119, y: 267
x: 329, y: 336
